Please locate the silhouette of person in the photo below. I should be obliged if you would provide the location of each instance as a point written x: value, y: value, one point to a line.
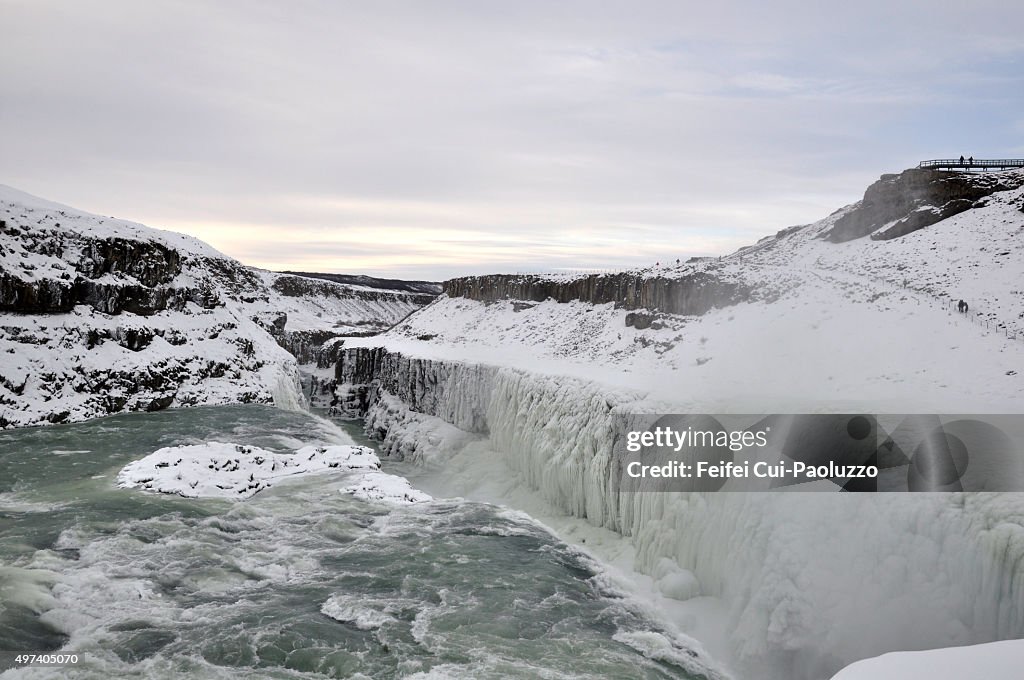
x: 970, y: 161
x: 961, y: 160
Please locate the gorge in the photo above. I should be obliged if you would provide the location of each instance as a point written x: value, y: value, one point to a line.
x: 501, y: 396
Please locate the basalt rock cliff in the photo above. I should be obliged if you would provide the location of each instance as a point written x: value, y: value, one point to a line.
x: 692, y: 293
x: 897, y: 205
x: 100, y: 315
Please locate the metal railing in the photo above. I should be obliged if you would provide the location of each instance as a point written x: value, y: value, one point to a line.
x: 972, y: 165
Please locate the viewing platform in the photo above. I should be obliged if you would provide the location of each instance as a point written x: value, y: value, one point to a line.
x: 977, y: 165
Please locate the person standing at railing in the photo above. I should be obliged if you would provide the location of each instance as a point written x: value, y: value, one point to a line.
x: 961, y: 159
x: 970, y: 161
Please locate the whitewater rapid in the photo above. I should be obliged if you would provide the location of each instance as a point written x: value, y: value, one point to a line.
x: 316, y: 571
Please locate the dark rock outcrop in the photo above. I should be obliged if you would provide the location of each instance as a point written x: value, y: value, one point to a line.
x: 60, y: 268
x: 151, y: 263
x: 915, y: 199
x: 693, y: 293
x: 641, y: 320
x: 35, y: 297
x: 55, y: 296
x: 111, y: 275
x: 318, y: 347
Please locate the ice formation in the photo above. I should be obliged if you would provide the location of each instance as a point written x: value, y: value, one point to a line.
x: 920, y: 570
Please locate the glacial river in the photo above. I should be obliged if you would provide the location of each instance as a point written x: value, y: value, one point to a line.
x: 299, y: 581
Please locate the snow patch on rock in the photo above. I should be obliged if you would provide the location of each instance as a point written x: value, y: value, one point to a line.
x: 226, y: 470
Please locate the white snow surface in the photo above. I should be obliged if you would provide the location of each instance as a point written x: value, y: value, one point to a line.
x: 995, y: 660
x: 236, y: 471
x: 381, y: 487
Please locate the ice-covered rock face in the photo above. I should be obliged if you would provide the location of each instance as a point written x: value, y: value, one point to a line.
x: 308, y: 316
x: 100, y: 315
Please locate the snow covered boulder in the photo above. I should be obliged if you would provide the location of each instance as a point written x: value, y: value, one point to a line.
x: 384, y: 488
x: 223, y: 470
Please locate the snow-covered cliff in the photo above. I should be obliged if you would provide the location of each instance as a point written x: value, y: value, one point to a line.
x: 807, y: 583
x: 100, y: 315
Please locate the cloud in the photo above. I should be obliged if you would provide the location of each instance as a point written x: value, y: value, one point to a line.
x: 462, y: 134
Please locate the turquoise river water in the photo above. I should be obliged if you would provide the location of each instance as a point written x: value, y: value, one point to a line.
x: 300, y: 581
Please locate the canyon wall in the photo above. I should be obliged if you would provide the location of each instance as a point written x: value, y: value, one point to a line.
x: 693, y: 293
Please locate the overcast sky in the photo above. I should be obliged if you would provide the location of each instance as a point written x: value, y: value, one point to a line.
x: 427, y: 139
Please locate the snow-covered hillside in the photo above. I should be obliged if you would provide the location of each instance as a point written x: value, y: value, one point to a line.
x: 867, y: 324
x: 802, y: 584
x: 100, y: 315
